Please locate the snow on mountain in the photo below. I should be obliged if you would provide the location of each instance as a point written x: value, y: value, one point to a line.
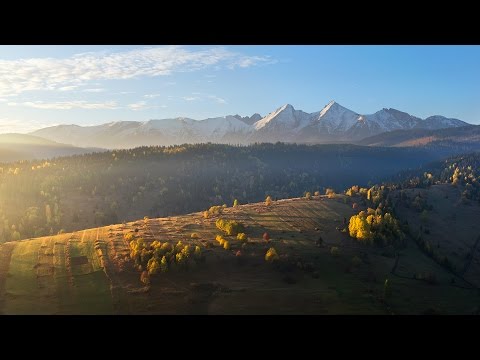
x: 334, y: 123
x: 250, y: 120
x: 334, y: 118
x: 440, y: 122
x: 284, y: 118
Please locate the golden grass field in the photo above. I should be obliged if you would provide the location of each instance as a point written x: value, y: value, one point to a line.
x: 89, y: 271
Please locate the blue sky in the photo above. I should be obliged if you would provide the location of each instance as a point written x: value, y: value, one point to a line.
x: 86, y: 85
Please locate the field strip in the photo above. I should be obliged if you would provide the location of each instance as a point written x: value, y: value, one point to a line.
x: 5, y: 254
x: 116, y: 286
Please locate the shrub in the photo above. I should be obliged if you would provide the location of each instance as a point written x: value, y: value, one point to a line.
x: 268, y: 200
x: 335, y: 251
x: 242, y: 237
x: 387, y: 291
x: 164, y: 264
x: 214, y: 210
x: 145, y: 278
x: 128, y: 237
x: 220, y: 239
x: 153, y: 266
x: 229, y: 226
x: 271, y: 255
x: 330, y: 193
x: 356, y: 261
x: 197, y: 253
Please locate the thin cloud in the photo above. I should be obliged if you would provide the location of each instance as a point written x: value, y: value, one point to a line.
x: 151, y: 96
x: 141, y: 105
x: 67, y: 105
x: 217, y: 99
x: 64, y: 74
x: 190, y: 98
x: 68, y: 88
x: 94, y: 90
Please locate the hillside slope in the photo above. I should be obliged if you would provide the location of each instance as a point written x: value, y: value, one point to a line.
x: 90, y: 271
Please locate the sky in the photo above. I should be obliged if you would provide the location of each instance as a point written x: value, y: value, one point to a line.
x: 43, y: 86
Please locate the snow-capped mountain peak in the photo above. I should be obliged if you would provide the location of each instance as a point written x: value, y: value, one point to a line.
x: 331, y: 124
x: 285, y: 117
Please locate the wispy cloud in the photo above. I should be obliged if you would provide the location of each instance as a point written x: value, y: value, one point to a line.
x: 217, y: 99
x: 94, y: 90
x: 197, y: 96
x: 68, y: 88
x: 190, y: 98
x: 141, y: 105
x: 67, y: 105
x: 18, y: 76
x: 151, y: 96
x: 247, y: 61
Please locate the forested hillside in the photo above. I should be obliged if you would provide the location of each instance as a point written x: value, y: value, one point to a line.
x: 64, y: 194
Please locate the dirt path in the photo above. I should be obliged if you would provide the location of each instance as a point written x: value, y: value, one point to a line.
x: 5, y: 254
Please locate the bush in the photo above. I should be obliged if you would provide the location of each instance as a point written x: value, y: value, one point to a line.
x: 164, y: 264
x: 242, y: 237
x: 330, y: 193
x: 229, y: 226
x: 128, y: 237
x: 335, y: 251
x: 268, y: 200
x: 271, y: 255
x: 153, y: 266
x: 220, y: 239
x: 356, y: 261
x: 387, y: 291
x: 145, y: 278
x: 214, y: 210
x: 197, y: 253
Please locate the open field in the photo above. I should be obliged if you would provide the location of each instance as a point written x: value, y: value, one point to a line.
x: 89, y: 272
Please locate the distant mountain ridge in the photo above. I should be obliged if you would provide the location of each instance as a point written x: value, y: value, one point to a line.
x: 15, y: 147
x: 334, y: 123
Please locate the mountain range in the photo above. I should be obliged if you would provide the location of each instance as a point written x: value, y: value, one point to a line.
x: 15, y: 147
x: 334, y: 123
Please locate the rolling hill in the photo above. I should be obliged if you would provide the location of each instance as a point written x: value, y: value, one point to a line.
x: 466, y: 135
x: 91, y: 271
x: 333, y: 124
x: 16, y: 147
